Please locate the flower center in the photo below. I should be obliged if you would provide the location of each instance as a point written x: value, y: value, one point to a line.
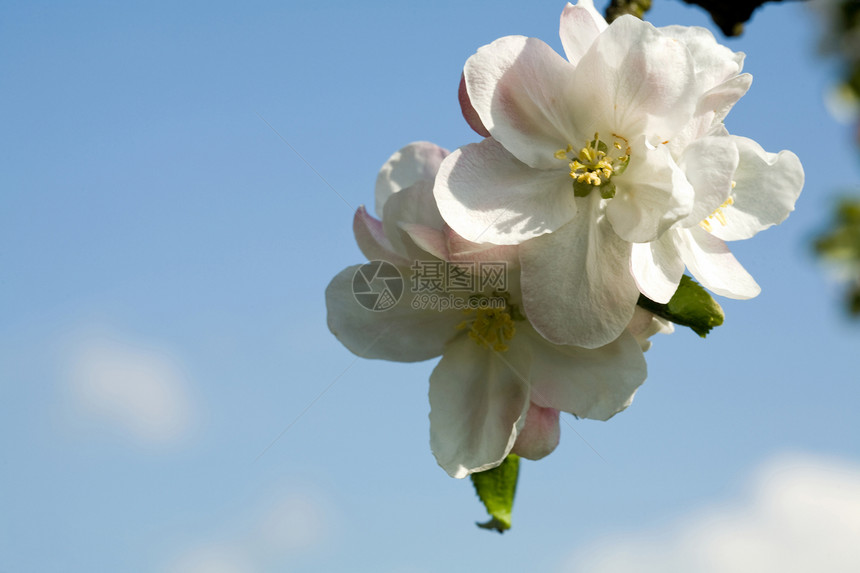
x: 490, y: 327
x: 594, y: 165
x: 717, y: 214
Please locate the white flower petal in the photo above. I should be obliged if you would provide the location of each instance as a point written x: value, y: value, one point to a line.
x: 539, y: 435
x: 517, y: 87
x: 652, y: 195
x: 478, y: 403
x: 459, y: 249
x: 709, y: 164
x: 399, y: 333
x: 720, y: 99
x: 413, y: 205
x: 430, y: 240
x: 371, y: 238
x: 645, y: 324
x: 449, y: 246
x: 713, y: 265
x: 594, y: 384
x: 633, y: 80
x: 657, y: 268
x: 767, y: 186
x: 576, y: 282
x: 712, y: 108
x: 580, y: 25
x: 415, y: 162
x: 714, y: 63
x: 488, y: 196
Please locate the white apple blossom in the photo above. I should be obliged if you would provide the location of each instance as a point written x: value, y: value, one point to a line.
x: 500, y: 385
x: 588, y: 156
x: 761, y: 193
x: 740, y: 189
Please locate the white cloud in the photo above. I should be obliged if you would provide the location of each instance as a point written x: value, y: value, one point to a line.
x: 295, y: 523
x: 137, y: 389
x: 211, y: 559
x: 283, y: 527
x: 802, y: 515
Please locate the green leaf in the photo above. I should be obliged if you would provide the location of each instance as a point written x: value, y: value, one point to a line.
x: 691, y: 305
x: 496, y: 488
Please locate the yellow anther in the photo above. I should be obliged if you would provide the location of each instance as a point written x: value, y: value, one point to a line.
x: 592, y: 166
x: 622, y: 138
x: 491, y: 328
x: 717, y: 214
x: 562, y: 153
x: 586, y: 155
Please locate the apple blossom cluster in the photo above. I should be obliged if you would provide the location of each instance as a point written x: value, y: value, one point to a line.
x: 600, y: 178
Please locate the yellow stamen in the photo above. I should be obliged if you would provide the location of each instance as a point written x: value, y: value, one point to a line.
x: 562, y: 153
x: 592, y: 167
x: 717, y: 214
x: 491, y: 328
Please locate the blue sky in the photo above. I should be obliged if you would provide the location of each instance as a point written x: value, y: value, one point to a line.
x: 164, y: 256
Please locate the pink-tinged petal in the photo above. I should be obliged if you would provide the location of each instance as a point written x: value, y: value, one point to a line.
x: 417, y: 161
x: 413, y: 205
x: 580, y: 26
x: 645, y: 325
x: 657, y: 268
x: 517, y: 87
x: 487, y: 195
x: 540, y: 434
x: 478, y: 403
x: 714, y: 63
x: 371, y: 238
x: 469, y: 114
x: 633, y: 80
x: 428, y: 239
x: 449, y: 246
x: 459, y: 249
x: 593, y: 384
x: 713, y: 265
x: 766, y: 187
x: 652, y: 195
x: 576, y: 282
x: 399, y: 333
x: 709, y: 164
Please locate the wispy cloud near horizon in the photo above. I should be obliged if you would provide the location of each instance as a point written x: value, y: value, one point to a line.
x: 802, y: 513
x: 279, y: 528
